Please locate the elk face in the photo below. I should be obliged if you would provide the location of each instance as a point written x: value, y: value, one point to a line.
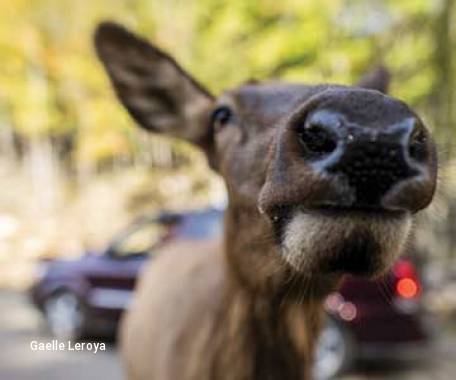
x: 336, y: 172
x: 350, y: 168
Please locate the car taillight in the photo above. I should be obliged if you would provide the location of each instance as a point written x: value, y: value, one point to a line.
x: 407, y: 288
x: 407, y: 285
x: 404, y: 268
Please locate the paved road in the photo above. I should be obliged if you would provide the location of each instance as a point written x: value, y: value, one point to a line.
x: 20, y: 324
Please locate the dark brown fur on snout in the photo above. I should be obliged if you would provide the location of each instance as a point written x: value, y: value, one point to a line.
x: 322, y: 180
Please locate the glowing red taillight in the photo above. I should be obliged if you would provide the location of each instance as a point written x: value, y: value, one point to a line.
x: 404, y: 268
x: 407, y: 287
x: 407, y: 280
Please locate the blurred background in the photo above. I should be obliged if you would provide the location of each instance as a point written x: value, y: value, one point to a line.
x: 74, y: 170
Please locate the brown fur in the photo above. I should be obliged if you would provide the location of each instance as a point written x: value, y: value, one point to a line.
x: 189, y: 321
x: 249, y: 307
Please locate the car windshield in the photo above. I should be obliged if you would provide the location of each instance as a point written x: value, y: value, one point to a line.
x: 142, y: 238
x: 146, y: 235
x: 201, y: 225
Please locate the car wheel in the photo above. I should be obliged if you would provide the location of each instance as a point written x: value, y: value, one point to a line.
x: 64, y: 315
x: 334, y: 351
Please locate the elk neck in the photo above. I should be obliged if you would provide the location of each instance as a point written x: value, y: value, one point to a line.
x: 269, y: 319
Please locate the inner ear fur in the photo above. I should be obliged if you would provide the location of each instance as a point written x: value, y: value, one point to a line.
x: 155, y: 90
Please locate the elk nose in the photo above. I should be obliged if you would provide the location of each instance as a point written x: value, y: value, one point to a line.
x: 370, y: 159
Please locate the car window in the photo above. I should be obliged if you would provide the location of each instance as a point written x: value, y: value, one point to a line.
x: 203, y: 225
x: 142, y: 239
x: 148, y: 235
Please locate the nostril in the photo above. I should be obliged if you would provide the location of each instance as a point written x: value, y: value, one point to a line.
x: 417, y: 144
x: 372, y: 169
x: 317, y: 139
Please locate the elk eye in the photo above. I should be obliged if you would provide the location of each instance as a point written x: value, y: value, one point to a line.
x: 221, y: 117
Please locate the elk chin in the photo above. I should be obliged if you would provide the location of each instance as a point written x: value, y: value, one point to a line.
x: 360, y: 243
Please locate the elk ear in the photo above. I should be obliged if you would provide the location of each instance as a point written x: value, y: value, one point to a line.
x: 156, y: 91
x: 378, y: 79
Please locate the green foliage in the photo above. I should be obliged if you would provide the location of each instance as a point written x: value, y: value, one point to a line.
x: 51, y: 83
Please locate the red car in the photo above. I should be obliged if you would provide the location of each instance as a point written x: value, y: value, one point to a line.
x: 373, y: 320
x: 366, y: 319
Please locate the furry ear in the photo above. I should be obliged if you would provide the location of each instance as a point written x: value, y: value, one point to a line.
x: 377, y: 79
x: 155, y: 90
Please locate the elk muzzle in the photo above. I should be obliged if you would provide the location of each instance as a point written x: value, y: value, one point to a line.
x: 348, y: 172
x: 377, y: 165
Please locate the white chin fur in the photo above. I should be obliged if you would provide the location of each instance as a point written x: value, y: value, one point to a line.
x: 309, y: 235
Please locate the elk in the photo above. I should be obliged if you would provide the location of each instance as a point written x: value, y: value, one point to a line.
x: 322, y: 181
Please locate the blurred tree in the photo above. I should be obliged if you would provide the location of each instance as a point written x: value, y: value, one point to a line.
x: 58, y: 113
x: 51, y: 84
x: 443, y: 88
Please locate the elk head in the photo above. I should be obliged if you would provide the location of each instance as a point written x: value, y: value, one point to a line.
x: 333, y: 173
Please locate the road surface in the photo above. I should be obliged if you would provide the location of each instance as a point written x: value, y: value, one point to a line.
x: 20, y: 325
